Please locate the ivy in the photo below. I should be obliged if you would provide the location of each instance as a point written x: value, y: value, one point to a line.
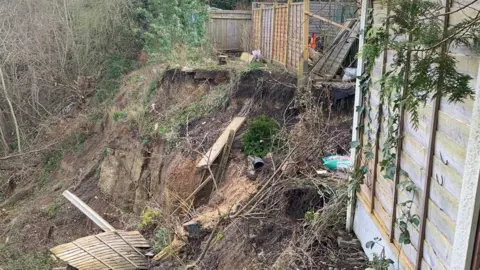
x: 172, y: 23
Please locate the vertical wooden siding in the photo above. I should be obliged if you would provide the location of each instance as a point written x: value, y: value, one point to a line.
x: 281, y: 31
x: 448, y: 163
x: 230, y: 30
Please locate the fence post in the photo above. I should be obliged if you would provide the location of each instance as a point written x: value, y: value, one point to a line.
x: 287, y: 36
x: 273, y: 43
x: 260, y: 43
x: 303, y: 63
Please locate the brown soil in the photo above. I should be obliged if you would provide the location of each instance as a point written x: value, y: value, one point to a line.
x: 118, y: 175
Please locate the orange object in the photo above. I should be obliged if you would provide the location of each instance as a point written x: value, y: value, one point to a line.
x: 313, y: 41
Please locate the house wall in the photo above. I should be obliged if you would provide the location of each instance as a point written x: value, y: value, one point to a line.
x: 379, y: 197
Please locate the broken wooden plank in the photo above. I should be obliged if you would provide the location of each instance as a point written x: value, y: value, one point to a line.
x: 224, y: 159
x: 339, y: 41
x: 107, y: 250
x: 340, y: 52
x: 330, y: 22
x: 89, y: 212
x: 216, y: 149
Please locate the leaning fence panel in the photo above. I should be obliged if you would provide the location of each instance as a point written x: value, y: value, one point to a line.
x: 278, y: 32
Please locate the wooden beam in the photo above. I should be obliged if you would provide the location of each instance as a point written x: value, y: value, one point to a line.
x: 379, y: 116
x: 287, y: 36
x: 89, y: 212
x: 431, y: 148
x: 399, y: 149
x: 330, y: 22
x: 216, y: 149
x: 306, y: 30
x: 357, y: 115
x: 224, y: 159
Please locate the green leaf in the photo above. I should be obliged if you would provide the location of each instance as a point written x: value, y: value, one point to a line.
x: 370, y: 244
x: 415, y: 220
x: 403, y: 225
x: 404, y: 238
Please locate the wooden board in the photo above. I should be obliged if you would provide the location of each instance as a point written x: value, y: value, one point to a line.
x: 89, y: 212
x: 332, y: 60
x: 109, y: 250
x: 217, y: 147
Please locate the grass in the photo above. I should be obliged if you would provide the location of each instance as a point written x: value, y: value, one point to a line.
x: 53, y: 208
x: 254, y: 66
x: 110, y: 83
x: 215, y: 99
x: 119, y: 116
x: 79, y: 143
x: 152, y: 88
x: 13, y: 258
x: 51, y: 163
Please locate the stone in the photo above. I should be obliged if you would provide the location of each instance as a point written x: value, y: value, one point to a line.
x: 193, y: 228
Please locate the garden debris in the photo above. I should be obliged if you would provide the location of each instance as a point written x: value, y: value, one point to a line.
x: 222, y: 59
x: 174, y: 247
x: 215, y: 76
x: 329, y: 64
x: 350, y: 74
x: 251, y: 173
x: 89, y: 212
x: 108, y: 250
x: 258, y: 163
x: 216, y: 149
x: 336, y: 162
x: 193, y: 228
x: 247, y: 57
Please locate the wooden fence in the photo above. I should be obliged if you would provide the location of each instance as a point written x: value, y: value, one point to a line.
x: 333, y: 10
x: 431, y: 156
x: 280, y: 32
x: 229, y: 30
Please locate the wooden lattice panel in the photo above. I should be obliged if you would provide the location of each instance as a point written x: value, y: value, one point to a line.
x: 110, y: 250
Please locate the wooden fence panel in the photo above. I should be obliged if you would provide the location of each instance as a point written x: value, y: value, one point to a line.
x: 257, y: 28
x: 280, y: 34
x: 267, y: 33
x: 437, y: 196
x: 297, y: 20
x: 229, y: 30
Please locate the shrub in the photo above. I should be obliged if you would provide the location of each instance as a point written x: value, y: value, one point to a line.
x: 160, y: 240
x: 172, y: 23
x: 260, y: 137
x: 149, y: 218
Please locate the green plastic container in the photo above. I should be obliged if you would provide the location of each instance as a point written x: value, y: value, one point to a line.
x: 336, y: 162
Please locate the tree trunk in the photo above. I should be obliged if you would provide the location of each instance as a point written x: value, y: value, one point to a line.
x: 17, y: 129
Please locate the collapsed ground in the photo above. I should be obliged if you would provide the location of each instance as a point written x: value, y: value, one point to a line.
x: 135, y: 164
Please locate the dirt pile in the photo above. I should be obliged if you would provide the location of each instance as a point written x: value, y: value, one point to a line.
x: 141, y: 153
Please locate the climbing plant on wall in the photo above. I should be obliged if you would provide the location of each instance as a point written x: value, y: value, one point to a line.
x: 421, y: 70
